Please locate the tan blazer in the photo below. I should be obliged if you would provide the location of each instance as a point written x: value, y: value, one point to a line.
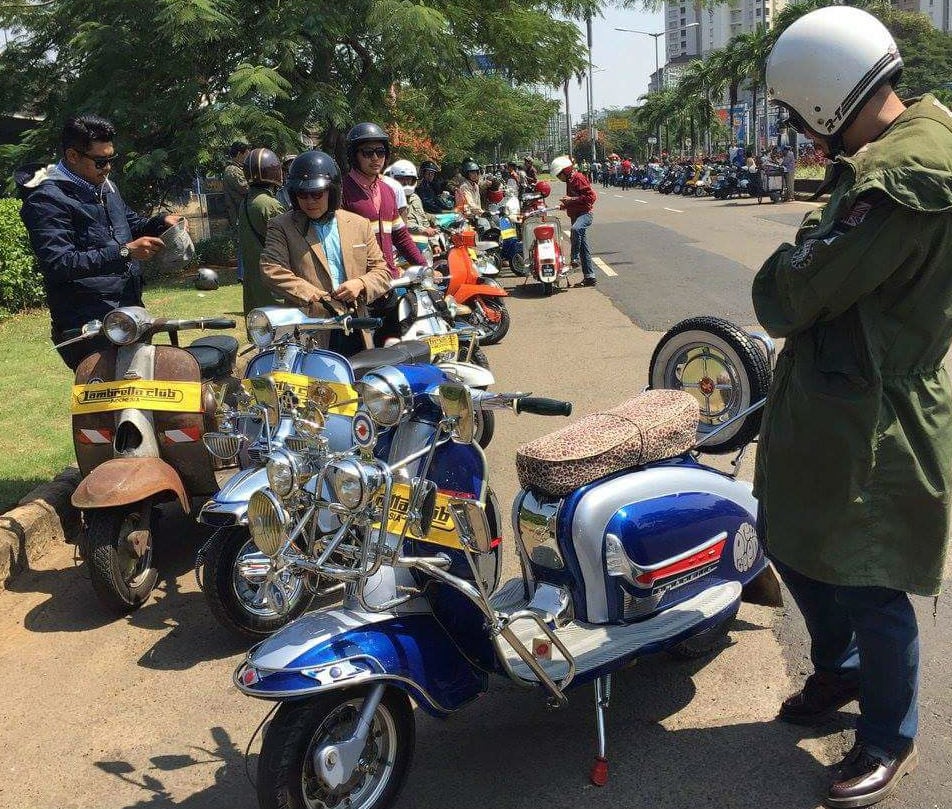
x: 294, y: 265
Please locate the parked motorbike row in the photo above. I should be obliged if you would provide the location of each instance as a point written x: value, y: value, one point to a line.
x: 717, y: 180
x: 362, y: 481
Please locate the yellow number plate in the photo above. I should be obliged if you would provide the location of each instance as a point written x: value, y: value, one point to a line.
x: 508, y: 233
x: 143, y: 394
x: 443, y: 529
x: 442, y: 344
x: 299, y: 385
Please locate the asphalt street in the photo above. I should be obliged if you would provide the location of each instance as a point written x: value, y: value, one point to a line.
x: 140, y: 712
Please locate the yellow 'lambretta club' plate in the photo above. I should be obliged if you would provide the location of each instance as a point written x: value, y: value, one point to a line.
x: 443, y: 529
x: 301, y: 384
x: 141, y: 394
x: 442, y: 344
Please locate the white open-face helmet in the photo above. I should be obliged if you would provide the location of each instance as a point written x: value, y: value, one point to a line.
x: 827, y: 64
x: 559, y: 165
x: 402, y: 168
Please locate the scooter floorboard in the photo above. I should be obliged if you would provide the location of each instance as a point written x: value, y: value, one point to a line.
x: 595, y: 645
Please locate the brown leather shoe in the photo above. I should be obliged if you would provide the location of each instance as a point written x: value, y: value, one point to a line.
x: 822, y: 694
x: 863, y: 779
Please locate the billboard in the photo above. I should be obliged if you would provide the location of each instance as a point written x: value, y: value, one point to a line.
x: 737, y: 120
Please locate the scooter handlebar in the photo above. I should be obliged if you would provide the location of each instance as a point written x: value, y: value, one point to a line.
x: 541, y: 406
x: 364, y: 323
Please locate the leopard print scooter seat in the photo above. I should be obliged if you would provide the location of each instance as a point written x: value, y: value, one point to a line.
x: 656, y: 424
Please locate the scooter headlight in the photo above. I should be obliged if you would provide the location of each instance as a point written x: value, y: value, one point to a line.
x: 353, y: 483
x: 267, y: 522
x: 123, y: 326
x: 283, y: 470
x: 260, y: 330
x: 386, y: 395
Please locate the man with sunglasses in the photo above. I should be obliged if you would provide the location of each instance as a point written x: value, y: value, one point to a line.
x: 87, y: 241
x: 854, y: 463
x: 365, y: 194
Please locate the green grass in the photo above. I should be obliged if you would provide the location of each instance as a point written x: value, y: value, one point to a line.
x: 35, y: 441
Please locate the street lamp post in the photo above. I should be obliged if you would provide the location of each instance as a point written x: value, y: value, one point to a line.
x: 656, y: 36
x: 589, y: 94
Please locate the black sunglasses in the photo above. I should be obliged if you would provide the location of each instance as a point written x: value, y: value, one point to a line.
x: 319, y: 194
x: 378, y: 152
x: 102, y: 162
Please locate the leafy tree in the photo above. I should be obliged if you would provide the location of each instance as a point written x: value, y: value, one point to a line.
x: 183, y: 78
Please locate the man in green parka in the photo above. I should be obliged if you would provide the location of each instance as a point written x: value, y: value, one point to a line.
x: 264, y: 173
x: 855, y: 454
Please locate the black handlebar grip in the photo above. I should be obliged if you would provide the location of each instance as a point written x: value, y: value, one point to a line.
x: 365, y: 322
x: 542, y: 406
x: 217, y: 323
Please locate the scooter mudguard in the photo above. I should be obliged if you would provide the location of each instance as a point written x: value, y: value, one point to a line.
x: 123, y: 481
x: 468, y: 373
x: 469, y: 291
x: 326, y: 650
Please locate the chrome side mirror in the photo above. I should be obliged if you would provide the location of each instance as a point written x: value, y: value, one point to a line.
x: 265, y: 393
x: 457, y: 405
x: 472, y: 524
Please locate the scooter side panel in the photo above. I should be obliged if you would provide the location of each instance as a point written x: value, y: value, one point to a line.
x: 179, y: 435
x: 410, y: 649
x: 93, y: 433
x: 586, y: 515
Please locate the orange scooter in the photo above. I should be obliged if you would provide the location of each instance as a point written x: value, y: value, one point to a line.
x: 484, y: 297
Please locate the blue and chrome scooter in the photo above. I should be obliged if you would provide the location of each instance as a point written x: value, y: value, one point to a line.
x: 629, y: 545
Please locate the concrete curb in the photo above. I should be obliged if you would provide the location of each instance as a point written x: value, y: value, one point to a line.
x: 42, y: 519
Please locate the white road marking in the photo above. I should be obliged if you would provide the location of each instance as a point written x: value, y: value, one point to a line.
x: 641, y: 201
x: 674, y: 210
x: 600, y: 263
x: 620, y: 196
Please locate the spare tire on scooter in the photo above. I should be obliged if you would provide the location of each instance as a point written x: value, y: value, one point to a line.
x: 723, y: 367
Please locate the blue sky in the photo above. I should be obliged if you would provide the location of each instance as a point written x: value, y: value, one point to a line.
x: 626, y: 60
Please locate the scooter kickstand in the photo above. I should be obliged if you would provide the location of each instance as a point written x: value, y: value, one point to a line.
x: 603, y: 695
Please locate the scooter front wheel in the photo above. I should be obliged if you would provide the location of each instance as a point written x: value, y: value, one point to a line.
x: 118, y: 550
x: 491, y: 317
x: 242, y: 590
x: 288, y: 766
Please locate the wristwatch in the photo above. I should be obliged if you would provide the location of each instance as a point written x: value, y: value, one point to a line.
x: 124, y: 253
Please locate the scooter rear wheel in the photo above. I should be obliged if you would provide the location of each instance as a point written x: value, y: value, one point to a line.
x: 122, y: 578
x: 723, y: 368
x: 287, y: 775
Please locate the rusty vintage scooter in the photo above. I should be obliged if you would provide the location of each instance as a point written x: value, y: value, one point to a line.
x: 139, y: 412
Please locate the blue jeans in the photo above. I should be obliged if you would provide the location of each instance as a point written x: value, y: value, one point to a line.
x: 580, y: 251
x: 870, y: 634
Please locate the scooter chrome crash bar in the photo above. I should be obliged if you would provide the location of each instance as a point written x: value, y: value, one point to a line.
x: 721, y: 427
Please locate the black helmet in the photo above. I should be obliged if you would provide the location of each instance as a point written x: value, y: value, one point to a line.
x: 365, y: 133
x: 263, y: 167
x: 429, y: 165
x: 312, y: 171
x: 468, y: 165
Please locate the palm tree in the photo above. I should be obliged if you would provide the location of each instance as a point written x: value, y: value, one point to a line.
x: 749, y: 52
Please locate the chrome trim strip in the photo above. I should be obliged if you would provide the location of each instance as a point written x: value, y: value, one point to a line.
x: 681, y: 556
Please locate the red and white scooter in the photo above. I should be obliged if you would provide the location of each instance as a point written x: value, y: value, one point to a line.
x: 542, y: 237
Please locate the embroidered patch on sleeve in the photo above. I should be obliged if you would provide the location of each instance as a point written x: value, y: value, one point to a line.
x: 857, y: 213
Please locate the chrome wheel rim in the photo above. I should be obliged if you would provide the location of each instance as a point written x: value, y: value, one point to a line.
x: 132, y: 567
x: 711, y: 377
x: 253, y: 574
x: 373, y: 772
